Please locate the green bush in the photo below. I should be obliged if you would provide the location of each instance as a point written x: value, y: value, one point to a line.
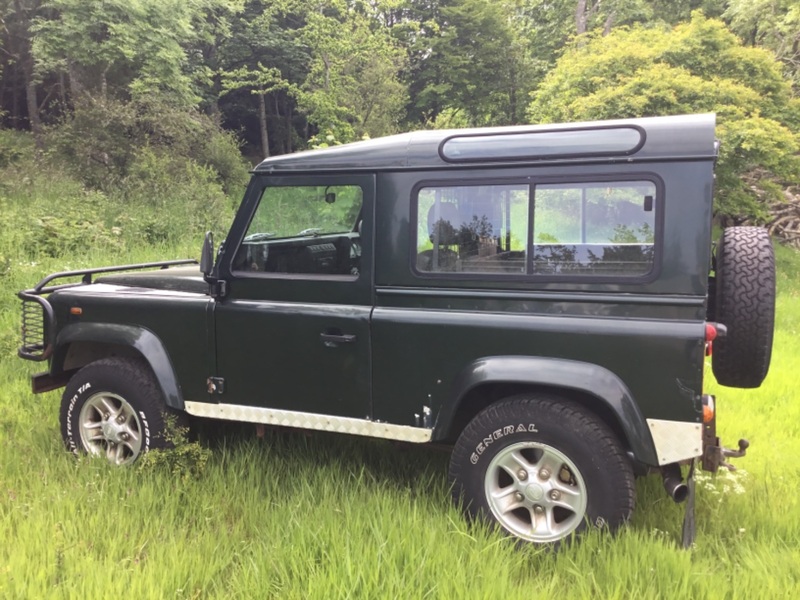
x: 185, y: 460
x: 102, y: 142
x: 15, y: 146
x: 694, y: 67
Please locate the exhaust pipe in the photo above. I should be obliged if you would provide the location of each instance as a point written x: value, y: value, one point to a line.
x: 673, y: 482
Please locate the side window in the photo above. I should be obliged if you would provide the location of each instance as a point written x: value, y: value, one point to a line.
x: 304, y: 229
x: 472, y: 229
x: 603, y: 228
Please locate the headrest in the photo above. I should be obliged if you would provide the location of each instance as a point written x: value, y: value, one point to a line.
x: 443, y: 223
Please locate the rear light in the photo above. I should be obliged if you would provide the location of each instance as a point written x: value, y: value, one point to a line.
x: 714, y: 331
x: 709, y: 410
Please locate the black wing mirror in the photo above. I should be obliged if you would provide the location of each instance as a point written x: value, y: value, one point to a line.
x: 207, y: 256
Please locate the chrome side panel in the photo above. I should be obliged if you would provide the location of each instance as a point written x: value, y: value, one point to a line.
x: 302, y: 420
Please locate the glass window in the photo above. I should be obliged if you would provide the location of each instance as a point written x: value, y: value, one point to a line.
x: 543, y: 144
x: 304, y: 229
x: 472, y: 229
x: 601, y: 228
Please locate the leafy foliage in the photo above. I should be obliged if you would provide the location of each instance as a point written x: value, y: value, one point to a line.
x: 99, y: 82
x: 185, y: 460
x: 695, y: 67
x: 103, y: 142
x: 770, y: 24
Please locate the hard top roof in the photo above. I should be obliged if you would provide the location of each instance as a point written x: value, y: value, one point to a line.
x: 663, y: 138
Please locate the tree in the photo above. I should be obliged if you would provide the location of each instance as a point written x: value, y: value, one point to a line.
x: 771, y: 24
x: 137, y: 47
x: 466, y: 57
x: 695, y: 67
x: 352, y: 88
x: 261, y: 81
x: 16, y: 20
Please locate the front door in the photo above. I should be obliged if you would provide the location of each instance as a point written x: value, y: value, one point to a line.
x: 293, y: 331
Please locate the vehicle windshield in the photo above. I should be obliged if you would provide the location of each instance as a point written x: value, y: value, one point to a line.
x: 305, y: 211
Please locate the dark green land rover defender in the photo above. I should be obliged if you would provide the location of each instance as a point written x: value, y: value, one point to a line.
x: 542, y: 299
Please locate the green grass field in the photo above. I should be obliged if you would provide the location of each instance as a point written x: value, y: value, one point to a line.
x: 325, y: 516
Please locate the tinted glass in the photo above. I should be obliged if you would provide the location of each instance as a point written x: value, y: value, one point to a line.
x: 619, y: 140
x: 603, y: 228
x: 304, y: 229
x: 472, y: 229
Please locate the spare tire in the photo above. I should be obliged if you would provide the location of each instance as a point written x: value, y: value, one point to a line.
x: 745, y: 303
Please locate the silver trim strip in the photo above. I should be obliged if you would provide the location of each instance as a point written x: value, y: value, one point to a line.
x: 647, y: 299
x: 676, y: 440
x: 302, y: 420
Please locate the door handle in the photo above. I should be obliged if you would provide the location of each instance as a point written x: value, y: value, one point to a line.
x: 332, y: 340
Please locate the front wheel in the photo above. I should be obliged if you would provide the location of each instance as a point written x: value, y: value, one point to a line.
x: 542, y: 468
x: 114, y: 408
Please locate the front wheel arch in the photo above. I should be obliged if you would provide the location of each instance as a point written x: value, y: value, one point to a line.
x: 80, y: 344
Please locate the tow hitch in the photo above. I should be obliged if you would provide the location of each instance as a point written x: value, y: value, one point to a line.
x: 714, y: 453
x: 714, y: 457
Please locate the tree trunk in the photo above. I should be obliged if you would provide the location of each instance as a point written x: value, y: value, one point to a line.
x: 104, y: 84
x: 15, y: 120
x: 278, y: 141
x: 32, y: 103
x: 287, y: 114
x: 609, y: 23
x: 262, y: 121
x: 75, y: 84
x: 580, y: 17
x: 62, y: 89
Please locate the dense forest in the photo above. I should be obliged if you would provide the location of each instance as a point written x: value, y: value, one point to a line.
x: 120, y: 91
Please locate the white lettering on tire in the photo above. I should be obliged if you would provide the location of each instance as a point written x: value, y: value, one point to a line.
x: 146, y: 428
x: 70, y: 409
x: 496, y: 435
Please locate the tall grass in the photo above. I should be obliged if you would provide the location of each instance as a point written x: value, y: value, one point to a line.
x: 293, y: 515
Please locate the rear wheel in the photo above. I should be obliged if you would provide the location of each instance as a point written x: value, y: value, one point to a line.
x: 542, y: 468
x: 745, y: 304
x: 114, y: 408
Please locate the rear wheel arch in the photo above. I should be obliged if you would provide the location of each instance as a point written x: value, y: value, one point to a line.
x: 482, y: 396
x: 494, y: 379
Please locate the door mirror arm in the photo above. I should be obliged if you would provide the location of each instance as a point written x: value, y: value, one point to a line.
x: 216, y: 287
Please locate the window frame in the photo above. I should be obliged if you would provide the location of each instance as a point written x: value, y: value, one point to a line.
x: 535, y: 157
x: 298, y: 181
x: 532, y: 182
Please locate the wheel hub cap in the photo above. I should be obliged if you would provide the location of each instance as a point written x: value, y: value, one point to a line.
x: 111, y: 431
x: 534, y: 492
x: 110, y: 427
x: 546, y: 510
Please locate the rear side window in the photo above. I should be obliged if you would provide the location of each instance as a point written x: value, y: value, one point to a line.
x: 603, y: 229
x: 473, y: 229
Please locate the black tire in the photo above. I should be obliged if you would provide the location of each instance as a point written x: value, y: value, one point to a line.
x: 745, y: 304
x: 114, y: 407
x: 543, y: 430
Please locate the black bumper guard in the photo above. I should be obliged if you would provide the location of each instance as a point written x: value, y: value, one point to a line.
x: 38, y: 318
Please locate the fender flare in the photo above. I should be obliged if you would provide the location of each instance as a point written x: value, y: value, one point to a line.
x: 144, y: 341
x: 591, y: 380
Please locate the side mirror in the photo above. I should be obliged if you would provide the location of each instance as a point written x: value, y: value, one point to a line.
x: 207, y: 255
x: 330, y: 197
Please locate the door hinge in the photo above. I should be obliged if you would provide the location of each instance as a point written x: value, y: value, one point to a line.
x: 215, y: 385
x: 218, y: 288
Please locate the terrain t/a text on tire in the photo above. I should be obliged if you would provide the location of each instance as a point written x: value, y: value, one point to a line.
x: 540, y: 298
